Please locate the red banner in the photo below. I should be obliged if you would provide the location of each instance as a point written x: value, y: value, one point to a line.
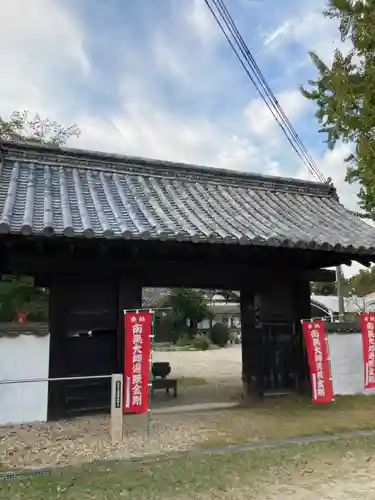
x: 138, y: 330
x: 367, y: 322
x: 317, y: 353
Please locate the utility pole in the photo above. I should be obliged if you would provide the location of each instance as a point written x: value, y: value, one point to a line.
x: 339, y: 293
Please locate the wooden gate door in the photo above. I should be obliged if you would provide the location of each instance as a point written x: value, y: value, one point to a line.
x: 91, y: 318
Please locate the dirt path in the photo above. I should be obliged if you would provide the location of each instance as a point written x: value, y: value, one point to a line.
x: 350, y: 476
x: 354, y: 483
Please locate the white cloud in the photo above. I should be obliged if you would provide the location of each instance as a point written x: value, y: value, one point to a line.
x: 261, y: 120
x: 274, y: 37
x: 143, y: 127
x: 184, y: 52
x: 200, y: 20
x: 36, y: 40
x: 305, y: 29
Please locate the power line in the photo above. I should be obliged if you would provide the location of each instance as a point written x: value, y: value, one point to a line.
x: 265, y: 91
x: 270, y: 94
x: 253, y: 71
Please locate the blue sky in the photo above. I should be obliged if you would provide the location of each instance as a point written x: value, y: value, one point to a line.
x: 156, y: 78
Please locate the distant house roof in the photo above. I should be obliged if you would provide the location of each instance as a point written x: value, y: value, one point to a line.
x: 331, y: 303
x: 154, y: 297
x: 49, y: 191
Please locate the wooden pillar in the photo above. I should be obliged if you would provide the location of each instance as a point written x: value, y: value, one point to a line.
x: 302, y: 310
x: 252, y: 344
x: 247, y: 320
x: 129, y: 297
x: 258, y: 347
x: 57, y: 350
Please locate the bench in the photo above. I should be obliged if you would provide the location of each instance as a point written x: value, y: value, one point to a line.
x: 165, y: 383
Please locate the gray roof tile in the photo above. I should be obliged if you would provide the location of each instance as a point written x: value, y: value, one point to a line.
x: 84, y: 194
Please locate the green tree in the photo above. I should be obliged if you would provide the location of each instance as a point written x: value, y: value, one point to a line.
x: 320, y: 288
x: 361, y: 283
x: 24, y: 126
x: 18, y: 294
x: 344, y: 93
x: 187, y: 305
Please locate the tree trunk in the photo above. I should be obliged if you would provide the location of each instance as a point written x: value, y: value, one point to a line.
x: 193, y: 328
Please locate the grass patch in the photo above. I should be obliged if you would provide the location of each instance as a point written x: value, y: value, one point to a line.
x: 191, y: 381
x: 241, y: 475
x: 286, y: 418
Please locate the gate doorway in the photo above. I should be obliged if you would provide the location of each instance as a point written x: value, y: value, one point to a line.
x: 280, y: 356
x: 89, y: 327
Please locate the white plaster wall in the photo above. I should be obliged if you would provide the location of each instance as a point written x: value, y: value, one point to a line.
x: 23, y: 357
x: 347, y: 364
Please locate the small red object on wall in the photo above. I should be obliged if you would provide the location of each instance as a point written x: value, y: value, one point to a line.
x: 20, y: 317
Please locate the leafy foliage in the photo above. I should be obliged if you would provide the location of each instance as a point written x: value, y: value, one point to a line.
x: 201, y: 343
x: 22, y: 126
x: 344, y: 93
x: 20, y: 295
x: 318, y: 288
x: 220, y: 334
x: 361, y: 283
x: 186, y: 305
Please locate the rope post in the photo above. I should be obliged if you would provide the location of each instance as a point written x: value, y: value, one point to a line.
x: 116, y: 423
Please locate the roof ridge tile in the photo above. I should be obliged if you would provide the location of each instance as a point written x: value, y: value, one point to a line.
x: 132, y: 165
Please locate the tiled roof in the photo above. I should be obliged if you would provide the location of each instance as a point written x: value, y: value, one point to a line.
x: 47, y: 191
x: 351, y: 304
x: 29, y: 328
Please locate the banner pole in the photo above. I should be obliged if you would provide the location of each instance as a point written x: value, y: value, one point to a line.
x: 152, y: 336
x: 329, y: 360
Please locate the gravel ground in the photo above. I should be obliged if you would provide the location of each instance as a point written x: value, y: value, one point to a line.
x: 213, y: 365
x: 82, y: 439
x: 220, y: 368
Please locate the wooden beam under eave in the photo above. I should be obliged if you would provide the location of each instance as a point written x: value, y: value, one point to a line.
x: 42, y: 281
x: 320, y: 275
x: 161, y: 273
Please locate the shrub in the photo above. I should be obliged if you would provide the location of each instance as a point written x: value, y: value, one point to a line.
x: 219, y: 334
x: 202, y: 343
x: 184, y: 341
